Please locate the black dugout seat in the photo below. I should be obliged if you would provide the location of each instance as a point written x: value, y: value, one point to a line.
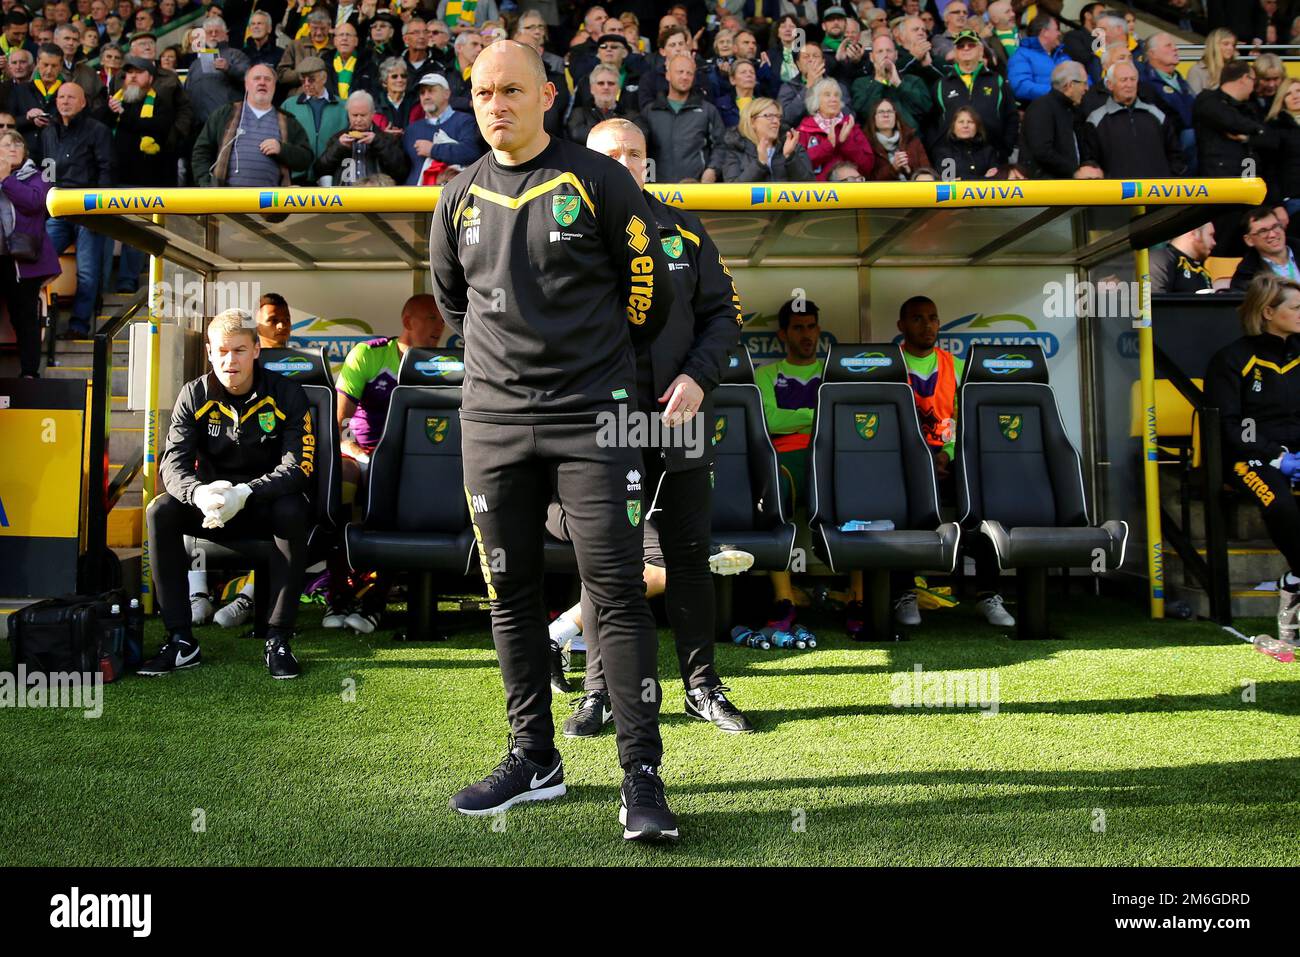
x: 747, y: 511
x: 417, y: 519
x: 1020, y: 479
x: 870, y: 462
x: 309, y: 368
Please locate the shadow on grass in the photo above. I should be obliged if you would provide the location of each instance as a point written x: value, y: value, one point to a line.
x: 1242, y: 782
x: 1273, y: 697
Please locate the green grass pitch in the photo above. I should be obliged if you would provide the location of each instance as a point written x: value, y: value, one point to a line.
x: 1143, y: 726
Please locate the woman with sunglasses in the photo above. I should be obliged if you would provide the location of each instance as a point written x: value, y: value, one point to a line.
x: 27, y: 257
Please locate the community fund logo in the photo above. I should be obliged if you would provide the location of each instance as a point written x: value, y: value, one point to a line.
x: 76, y: 910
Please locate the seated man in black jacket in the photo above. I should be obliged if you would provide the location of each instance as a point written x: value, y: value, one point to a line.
x: 238, y: 464
x: 1049, y: 148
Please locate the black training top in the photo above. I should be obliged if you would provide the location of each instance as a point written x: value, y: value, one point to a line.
x: 263, y: 437
x: 1255, y: 384
x: 551, y: 271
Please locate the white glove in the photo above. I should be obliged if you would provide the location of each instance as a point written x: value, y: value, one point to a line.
x: 207, y: 498
x: 232, y: 501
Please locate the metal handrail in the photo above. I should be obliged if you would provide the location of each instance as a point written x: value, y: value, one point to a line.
x: 102, y: 496
x: 1211, y: 571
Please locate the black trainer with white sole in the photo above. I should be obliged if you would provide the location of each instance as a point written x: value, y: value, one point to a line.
x: 590, y: 716
x: 515, y: 780
x: 643, y: 810
x: 280, y: 661
x: 176, y: 654
x: 711, y: 704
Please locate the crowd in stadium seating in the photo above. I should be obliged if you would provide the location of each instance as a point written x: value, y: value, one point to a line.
x: 746, y: 90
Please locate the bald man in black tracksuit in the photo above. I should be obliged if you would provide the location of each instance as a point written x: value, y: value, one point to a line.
x: 551, y: 271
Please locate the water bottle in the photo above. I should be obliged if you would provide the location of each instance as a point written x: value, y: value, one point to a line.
x: 1275, y: 647
x: 779, y: 639
x: 133, y: 650
x: 749, y: 638
x: 806, y: 636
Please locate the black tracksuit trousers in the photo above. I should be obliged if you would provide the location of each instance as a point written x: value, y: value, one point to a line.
x: 677, y: 538
x: 1271, y: 491
x: 510, y: 471
x: 284, y: 519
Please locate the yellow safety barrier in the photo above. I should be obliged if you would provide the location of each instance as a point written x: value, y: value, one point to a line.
x: 722, y: 196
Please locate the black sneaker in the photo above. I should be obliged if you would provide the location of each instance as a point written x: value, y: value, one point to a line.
x: 643, y: 810
x: 1288, y: 611
x: 515, y: 779
x: 590, y: 716
x: 176, y: 654
x: 711, y: 704
x: 280, y: 660
x: 559, y: 683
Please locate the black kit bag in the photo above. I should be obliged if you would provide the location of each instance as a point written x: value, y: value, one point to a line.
x: 72, y: 633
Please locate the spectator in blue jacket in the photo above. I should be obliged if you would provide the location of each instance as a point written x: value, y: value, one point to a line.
x: 443, y: 138
x: 1030, y: 67
x: 1169, y: 91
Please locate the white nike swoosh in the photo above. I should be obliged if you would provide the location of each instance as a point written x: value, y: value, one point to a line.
x: 186, y: 659
x: 607, y: 715
x: 538, y: 782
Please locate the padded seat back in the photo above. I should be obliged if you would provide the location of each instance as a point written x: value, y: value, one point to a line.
x: 416, y: 477
x: 745, y: 492
x: 310, y: 369
x: 1015, y: 463
x: 869, y: 458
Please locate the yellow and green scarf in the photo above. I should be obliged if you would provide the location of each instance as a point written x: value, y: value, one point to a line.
x: 458, y: 10
x: 343, y: 71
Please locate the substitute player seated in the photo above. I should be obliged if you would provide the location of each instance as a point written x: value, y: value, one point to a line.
x: 934, y: 375
x: 365, y: 387
x: 273, y: 330
x: 1255, y: 383
x: 238, y: 463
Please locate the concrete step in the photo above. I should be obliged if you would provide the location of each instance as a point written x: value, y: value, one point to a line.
x: 124, y: 443
x: 124, y: 526
x: 1244, y: 520
x: 77, y: 371
x: 122, y: 418
x: 1248, y: 562
x: 1245, y: 601
x: 130, y: 557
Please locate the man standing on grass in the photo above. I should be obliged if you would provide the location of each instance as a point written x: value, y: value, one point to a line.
x: 545, y: 259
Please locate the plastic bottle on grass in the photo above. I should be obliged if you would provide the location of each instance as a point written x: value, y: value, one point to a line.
x: 1275, y: 648
x: 749, y: 638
